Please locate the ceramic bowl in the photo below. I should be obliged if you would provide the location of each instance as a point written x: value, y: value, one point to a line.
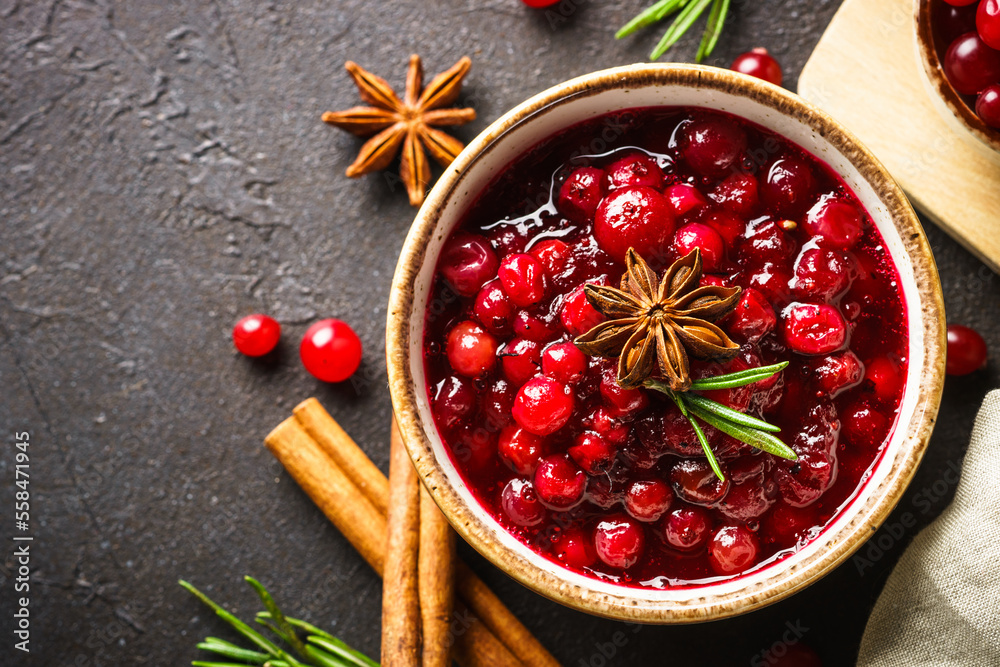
x: 663, y: 85
x: 959, y: 115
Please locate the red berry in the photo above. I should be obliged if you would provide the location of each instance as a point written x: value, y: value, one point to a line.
x: 475, y: 447
x: 696, y: 235
x: 467, y: 262
x: 575, y: 548
x: 552, y: 254
x: 559, y: 483
x: 686, y: 528
x: 471, y: 351
x: 564, y: 362
x: 624, y: 403
x: 694, y: 482
x: 539, y: 325
x: 684, y: 198
x: 523, y: 279
x: 712, y: 145
x: 521, y: 449
x: 636, y: 217
x: 256, y: 335
x: 637, y: 169
x: 773, y: 282
x: 864, y: 426
x: 988, y: 105
x: 493, y: 309
x: 577, y: 315
x: 748, y: 500
x: 960, y: 3
x: 619, y: 541
x: 814, y: 328
x: 835, y: 223
x: 730, y: 227
x: 883, y: 378
x: 581, y: 193
x: 543, y: 406
x: 669, y: 432
x: 988, y: 22
x: 330, y: 350
x: 732, y: 549
x: 592, y: 453
x: 520, y: 503
x: 789, y: 186
x: 949, y: 22
x: 737, y: 194
x: 823, y: 273
x: 520, y: 359
x: 758, y: 63
x: 837, y: 373
x: 538, y: 4
x: 971, y: 65
x: 608, y: 427
x: 765, y: 241
x: 648, y: 499
x: 787, y: 524
x: 802, y: 482
x: 966, y: 350
x: 753, y: 318
x: 498, y: 402
x: 454, y: 400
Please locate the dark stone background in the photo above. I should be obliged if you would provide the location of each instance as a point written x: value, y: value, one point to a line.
x: 163, y: 171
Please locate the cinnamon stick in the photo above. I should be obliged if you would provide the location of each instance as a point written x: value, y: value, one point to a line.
x: 365, y: 528
x: 436, y: 581
x: 483, y: 601
x: 400, y: 602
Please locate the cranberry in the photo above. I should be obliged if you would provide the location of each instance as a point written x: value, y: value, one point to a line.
x: 988, y: 22
x: 564, y: 362
x: 684, y: 198
x: 712, y: 145
x: 471, y: 351
x: 538, y: 4
x: 509, y: 239
x: 493, y: 309
x: 520, y: 503
x: 523, y: 279
x: 467, y: 261
x: 748, y: 501
x: 696, y: 235
x: 552, y: 254
x: 648, y: 499
x: 608, y: 427
x: 823, y: 273
x: 592, y: 453
x: 581, y: 193
x: 737, y: 194
x: 543, y: 406
x: 521, y: 449
x: 766, y: 241
x: 619, y: 541
x: 814, y: 328
x: 539, y: 326
x: 520, y: 360
x: 577, y: 315
x: 601, y: 492
x: 802, y: 482
x: 636, y: 217
x: 730, y: 227
x: 883, y: 378
x: 637, y: 169
x: 772, y: 280
x: 759, y: 63
x: 971, y: 65
x: 786, y: 524
x: 752, y: 318
x: 256, y: 335
x: 575, y: 547
x: 686, y: 528
x: 966, y: 350
x: 863, y: 425
x: 988, y: 105
x: 668, y: 431
x: 732, y: 549
x: 498, y: 402
x: 949, y: 22
x: 837, y: 373
x: 789, y: 185
x: 960, y: 3
x: 624, y: 403
x: 694, y: 482
x: 454, y: 400
x: 330, y: 350
x: 834, y: 222
x: 559, y: 483
x: 475, y: 447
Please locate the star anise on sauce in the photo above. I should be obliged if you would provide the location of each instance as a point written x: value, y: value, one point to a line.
x: 655, y: 324
x: 407, y: 123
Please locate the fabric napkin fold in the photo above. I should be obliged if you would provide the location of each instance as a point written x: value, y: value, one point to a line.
x: 941, y: 604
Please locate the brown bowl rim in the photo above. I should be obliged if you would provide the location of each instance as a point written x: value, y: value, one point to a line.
x: 934, y: 70
x: 705, y: 605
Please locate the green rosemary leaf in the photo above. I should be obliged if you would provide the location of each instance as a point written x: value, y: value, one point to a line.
x: 680, y: 25
x: 343, y: 651
x: 753, y: 437
x: 738, y: 418
x: 716, y: 20
x: 709, y: 454
x: 224, y: 648
x: 308, y: 628
x: 258, y: 639
x: 738, y: 379
x: 323, y: 659
x: 651, y: 15
x: 202, y: 663
x: 287, y: 632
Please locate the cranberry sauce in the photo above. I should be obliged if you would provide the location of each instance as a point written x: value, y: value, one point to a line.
x: 612, y: 482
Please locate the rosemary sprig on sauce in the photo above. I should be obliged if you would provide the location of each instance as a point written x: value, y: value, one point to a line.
x: 689, y: 12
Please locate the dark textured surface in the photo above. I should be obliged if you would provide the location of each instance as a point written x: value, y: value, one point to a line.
x: 163, y: 171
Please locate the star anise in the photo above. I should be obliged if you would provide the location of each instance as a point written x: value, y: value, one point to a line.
x: 655, y: 324
x: 409, y: 123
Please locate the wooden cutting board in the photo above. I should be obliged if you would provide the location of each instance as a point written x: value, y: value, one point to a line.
x: 865, y: 73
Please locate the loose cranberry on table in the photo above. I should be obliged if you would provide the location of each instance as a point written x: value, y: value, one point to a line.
x: 759, y: 63
x: 330, y: 350
x: 256, y: 335
x: 966, y: 350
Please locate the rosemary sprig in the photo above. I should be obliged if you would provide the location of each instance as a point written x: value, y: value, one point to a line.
x: 745, y: 428
x: 318, y: 649
x: 689, y: 12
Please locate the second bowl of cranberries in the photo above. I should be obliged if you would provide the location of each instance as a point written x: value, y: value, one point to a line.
x: 596, y: 492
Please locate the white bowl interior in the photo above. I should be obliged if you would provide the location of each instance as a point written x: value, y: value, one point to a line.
x: 526, y: 134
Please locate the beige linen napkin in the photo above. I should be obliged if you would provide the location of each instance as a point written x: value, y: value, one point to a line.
x: 941, y: 605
